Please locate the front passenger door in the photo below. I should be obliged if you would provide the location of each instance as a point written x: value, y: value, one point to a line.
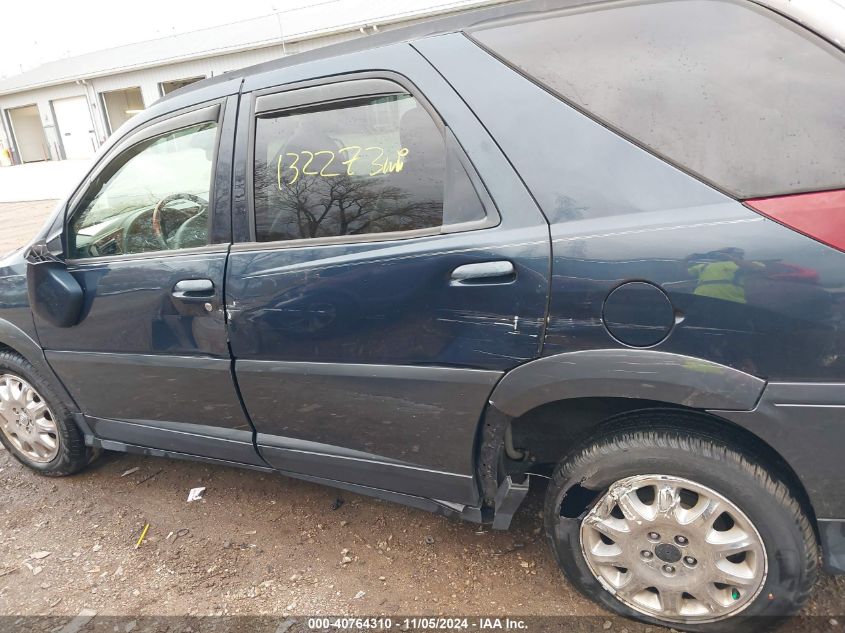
x: 148, y: 363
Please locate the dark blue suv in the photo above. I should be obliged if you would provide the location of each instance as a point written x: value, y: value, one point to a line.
x: 594, y: 243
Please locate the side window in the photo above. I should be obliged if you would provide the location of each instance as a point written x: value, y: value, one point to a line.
x: 731, y: 91
x: 152, y: 197
x: 363, y: 166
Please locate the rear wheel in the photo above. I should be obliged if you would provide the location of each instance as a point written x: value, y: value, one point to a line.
x: 34, y: 425
x: 680, y: 530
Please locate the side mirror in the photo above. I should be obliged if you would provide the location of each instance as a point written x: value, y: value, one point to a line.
x: 54, y: 294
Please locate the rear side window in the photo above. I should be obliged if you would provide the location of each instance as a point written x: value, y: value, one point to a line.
x: 365, y: 166
x: 729, y: 91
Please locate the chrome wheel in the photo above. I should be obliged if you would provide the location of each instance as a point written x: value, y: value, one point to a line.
x: 26, y: 420
x: 673, y: 549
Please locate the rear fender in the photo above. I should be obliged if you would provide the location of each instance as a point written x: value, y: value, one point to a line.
x: 671, y: 379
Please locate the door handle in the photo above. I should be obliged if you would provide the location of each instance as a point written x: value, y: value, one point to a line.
x: 193, y: 290
x: 489, y: 272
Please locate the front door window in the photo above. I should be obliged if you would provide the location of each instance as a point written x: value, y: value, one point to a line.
x: 152, y: 197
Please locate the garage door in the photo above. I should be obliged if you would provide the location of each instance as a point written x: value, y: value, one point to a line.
x: 76, y: 129
x: 29, y: 135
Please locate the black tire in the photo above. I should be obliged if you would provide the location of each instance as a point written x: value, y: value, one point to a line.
x: 782, y: 524
x: 72, y: 454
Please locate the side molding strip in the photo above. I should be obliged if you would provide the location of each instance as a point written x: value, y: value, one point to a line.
x: 218, y: 443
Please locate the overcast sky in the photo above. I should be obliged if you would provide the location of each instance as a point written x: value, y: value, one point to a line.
x: 37, y: 31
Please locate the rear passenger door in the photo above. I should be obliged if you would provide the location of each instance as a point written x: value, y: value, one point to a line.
x: 391, y: 268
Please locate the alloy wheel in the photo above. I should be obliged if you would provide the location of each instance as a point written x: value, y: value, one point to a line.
x: 674, y: 549
x: 26, y: 421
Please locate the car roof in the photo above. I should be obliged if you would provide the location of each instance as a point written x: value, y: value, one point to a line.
x: 434, y: 26
x: 817, y: 17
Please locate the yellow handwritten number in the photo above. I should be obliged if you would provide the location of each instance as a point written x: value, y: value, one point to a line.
x: 279, y: 172
x: 305, y: 171
x: 378, y: 167
x: 293, y: 166
x: 329, y: 162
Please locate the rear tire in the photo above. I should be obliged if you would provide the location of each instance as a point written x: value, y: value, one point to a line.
x: 42, y: 434
x: 662, y: 478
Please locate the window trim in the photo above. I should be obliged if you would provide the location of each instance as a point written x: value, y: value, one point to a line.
x: 344, y: 90
x: 202, y: 113
x: 88, y: 262
x: 340, y: 89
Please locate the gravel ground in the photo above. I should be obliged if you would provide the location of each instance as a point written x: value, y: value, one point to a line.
x: 265, y: 544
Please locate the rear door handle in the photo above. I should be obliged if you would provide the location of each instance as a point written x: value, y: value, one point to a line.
x: 489, y: 272
x: 193, y: 290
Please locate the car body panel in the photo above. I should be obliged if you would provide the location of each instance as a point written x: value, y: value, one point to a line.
x: 805, y: 424
x: 408, y: 353
x: 135, y: 331
x: 393, y: 402
x: 17, y: 329
x: 233, y: 445
x: 160, y: 384
x: 403, y: 428
x: 619, y: 214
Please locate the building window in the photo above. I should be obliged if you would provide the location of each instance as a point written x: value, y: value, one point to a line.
x: 121, y: 105
x: 166, y: 87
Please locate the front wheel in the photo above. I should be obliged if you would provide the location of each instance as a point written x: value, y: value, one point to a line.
x: 34, y: 425
x: 680, y: 530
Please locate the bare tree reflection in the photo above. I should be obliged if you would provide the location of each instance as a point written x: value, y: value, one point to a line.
x: 322, y: 206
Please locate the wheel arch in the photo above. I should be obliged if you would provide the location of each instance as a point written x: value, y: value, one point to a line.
x: 14, y: 339
x: 555, y: 405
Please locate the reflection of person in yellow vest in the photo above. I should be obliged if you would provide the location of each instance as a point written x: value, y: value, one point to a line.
x: 722, y: 278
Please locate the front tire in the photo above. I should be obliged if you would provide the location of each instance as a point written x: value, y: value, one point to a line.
x: 35, y: 427
x: 682, y: 530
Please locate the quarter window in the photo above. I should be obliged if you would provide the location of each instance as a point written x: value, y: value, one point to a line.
x: 733, y: 92
x: 366, y: 166
x: 152, y: 197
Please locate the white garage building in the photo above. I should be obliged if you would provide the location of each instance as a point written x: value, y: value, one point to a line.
x: 67, y: 108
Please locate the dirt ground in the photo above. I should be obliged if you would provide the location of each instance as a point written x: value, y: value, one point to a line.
x: 265, y: 544
x: 19, y: 221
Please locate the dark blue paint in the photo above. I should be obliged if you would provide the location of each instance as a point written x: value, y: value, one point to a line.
x: 386, y: 304
x: 390, y: 302
x: 619, y: 214
x: 805, y: 424
x: 14, y: 300
x: 17, y: 329
x: 780, y: 322
x: 366, y: 363
x: 133, y: 332
x: 638, y: 314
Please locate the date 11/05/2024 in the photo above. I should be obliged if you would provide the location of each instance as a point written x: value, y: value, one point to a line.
x: 379, y: 163
x: 417, y: 623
